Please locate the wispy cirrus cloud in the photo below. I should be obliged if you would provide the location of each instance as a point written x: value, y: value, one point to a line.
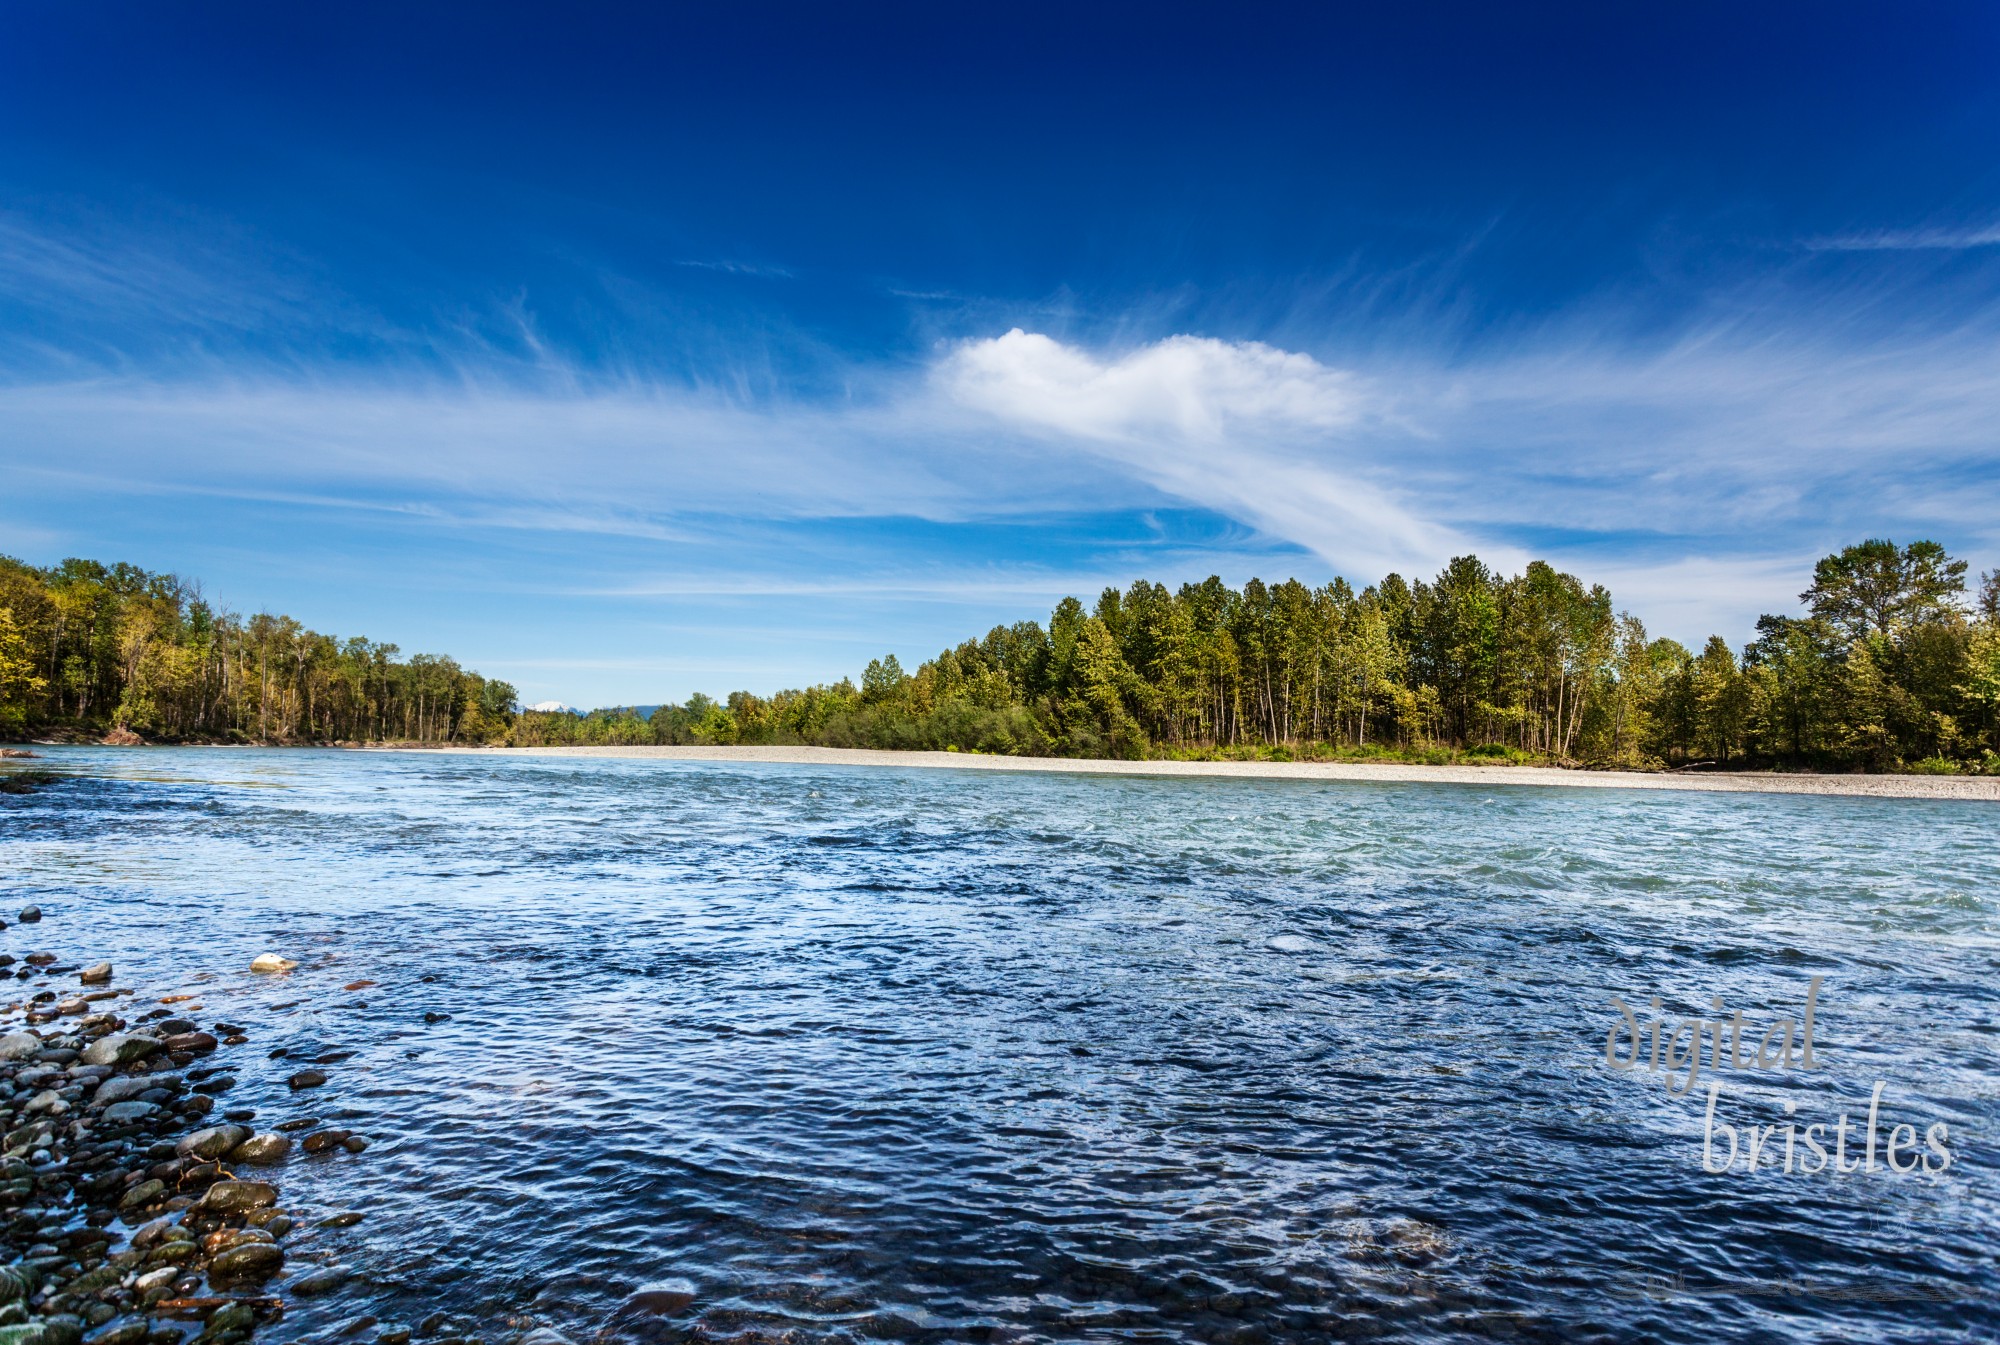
x: 1698, y: 470
x: 1932, y: 238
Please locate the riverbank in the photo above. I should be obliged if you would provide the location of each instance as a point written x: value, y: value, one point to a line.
x: 1976, y: 788
x: 125, y: 1209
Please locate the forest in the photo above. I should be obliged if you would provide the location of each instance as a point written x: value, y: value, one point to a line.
x: 1894, y: 665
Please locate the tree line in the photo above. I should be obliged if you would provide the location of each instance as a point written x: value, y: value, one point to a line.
x: 1894, y: 665
x: 85, y: 646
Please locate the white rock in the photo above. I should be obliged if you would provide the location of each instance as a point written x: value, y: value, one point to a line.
x: 19, y: 1045
x: 270, y: 962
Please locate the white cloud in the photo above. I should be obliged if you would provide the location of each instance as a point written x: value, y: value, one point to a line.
x: 1265, y: 434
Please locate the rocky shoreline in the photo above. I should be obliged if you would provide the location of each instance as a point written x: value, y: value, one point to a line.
x: 131, y: 1213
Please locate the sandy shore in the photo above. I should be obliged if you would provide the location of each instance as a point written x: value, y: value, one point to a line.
x: 1982, y: 788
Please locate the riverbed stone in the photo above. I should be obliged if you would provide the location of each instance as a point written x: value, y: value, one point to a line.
x: 30, y: 914
x: 96, y: 975
x: 270, y: 963
x: 307, y: 1078
x: 322, y: 1281
x: 660, y: 1299
x: 145, y: 1193
x: 235, y: 1316
x: 321, y: 1140
x: 264, y: 1148
x: 236, y: 1197
x: 247, y: 1261
x: 121, y: 1331
x: 120, y: 1048
x: 213, y: 1142
x: 129, y: 1113
x: 19, y: 1045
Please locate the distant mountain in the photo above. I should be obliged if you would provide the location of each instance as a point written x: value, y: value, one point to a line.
x: 551, y: 707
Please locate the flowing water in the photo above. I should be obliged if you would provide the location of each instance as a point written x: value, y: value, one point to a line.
x: 842, y: 1054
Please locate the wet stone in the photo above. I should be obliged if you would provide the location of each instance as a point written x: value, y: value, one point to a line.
x: 265, y: 1148
x: 236, y: 1197
x: 323, y: 1281
x: 120, y: 1048
x: 212, y: 1142
x: 307, y: 1078
x: 322, y: 1140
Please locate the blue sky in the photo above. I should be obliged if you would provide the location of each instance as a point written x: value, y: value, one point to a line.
x: 629, y: 351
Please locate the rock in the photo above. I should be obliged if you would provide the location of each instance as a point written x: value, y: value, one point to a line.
x: 265, y: 1148
x: 162, y: 1229
x: 173, y: 1027
x: 222, y: 1239
x: 344, y: 1219
x: 307, y: 1078
x: 319, y: 1281
x: 123, y: 1087
x: 354, y: 1144
x: 213, y: 1142
x: 19, y: 1045
x: 58, y: 1330
x: 237, y: 1197
x: 543, y: 1335
x: 30, y: 914
x: 271, y: 963
x: 145, y: 1193
x: 321, y: 1140
x: 661, y: 1299
x: 302, y: 1123
x: 197, y: 1043
x: 95, y: 975
x: 126, y: 1113
x: 120, y: 1048
x: 120, y: 1331
x: 247, y: 1261
x: 234, y: 1316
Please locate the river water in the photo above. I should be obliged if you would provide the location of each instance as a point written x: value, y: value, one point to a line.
x: 839, y: 1054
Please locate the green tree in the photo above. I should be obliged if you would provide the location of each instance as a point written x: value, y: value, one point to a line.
x: 1877, y: 588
